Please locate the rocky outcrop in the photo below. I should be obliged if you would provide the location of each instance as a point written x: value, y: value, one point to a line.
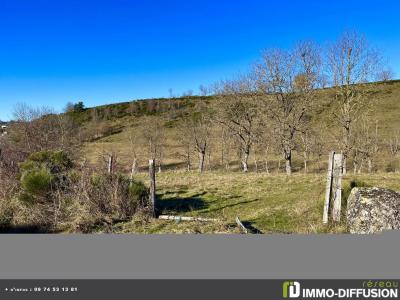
x: 372, y: 210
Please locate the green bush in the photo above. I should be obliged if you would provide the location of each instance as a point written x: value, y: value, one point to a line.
x: 138, y: 192
x: 43, y: 172
x: 55, y: 161
x: 37, y: 182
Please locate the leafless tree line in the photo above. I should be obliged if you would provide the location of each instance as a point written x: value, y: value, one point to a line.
x: 271, y: 109
x: 278, y: 96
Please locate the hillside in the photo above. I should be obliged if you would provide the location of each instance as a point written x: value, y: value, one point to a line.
x: 265, y: 200
x: 266, y: 203
x: 124, y: 133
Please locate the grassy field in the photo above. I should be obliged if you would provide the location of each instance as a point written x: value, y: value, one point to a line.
x: 269, y: 203
x: 265, y: 203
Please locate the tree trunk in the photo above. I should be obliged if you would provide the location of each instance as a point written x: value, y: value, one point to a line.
x: 188, y: 164
x: 134, y: 168
x: 202, y: 155
x: 305, y: 162
x: 369, y: 165
x: 279, y: 165
x: 344, y: 164
x: 222, y: 154
x: 346, y: 150
x: 209, y: 159
x: 152, y: 175
x: 266, y: 160
x: 360, y: 168
x: 245, y: 161
x: 288, y: 162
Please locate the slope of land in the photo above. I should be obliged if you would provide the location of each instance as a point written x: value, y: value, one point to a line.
x: 268, y: 203
x: 125, y: 123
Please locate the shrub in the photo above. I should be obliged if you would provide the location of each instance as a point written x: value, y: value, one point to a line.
x: 138, y: 191
x: 37, y: 182
x: 42, y: 173
x: 138, y: 197
x: 55, y: 161
x: 116, y: 196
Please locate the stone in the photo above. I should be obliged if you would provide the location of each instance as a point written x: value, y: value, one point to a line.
x: 373, y: 210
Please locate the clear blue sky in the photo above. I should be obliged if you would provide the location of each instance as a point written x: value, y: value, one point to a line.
x: 55, y: 51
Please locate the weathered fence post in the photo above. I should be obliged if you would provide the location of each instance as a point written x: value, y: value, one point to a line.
x: 333, y: 192
x: 152, y: 174
x: 110, y: 163
x: 328, y: 188
x: 337, y: 187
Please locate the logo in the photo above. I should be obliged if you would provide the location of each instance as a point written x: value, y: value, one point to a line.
x: 291, y: 289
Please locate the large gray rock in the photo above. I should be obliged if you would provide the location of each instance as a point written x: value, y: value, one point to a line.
x: 371, y: 210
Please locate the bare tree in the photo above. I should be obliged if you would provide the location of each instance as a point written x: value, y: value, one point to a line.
x: 69, y: 107
x: 188, y: 93
x: 366, y: 145
x: 224, y: 139
x: 306, y: 144
x: 287, y: 81
x: 171, y: 93
x: 203, y: 90
x: 187, y: 143
x: 37, y: 129
x: 351, y: 62
x: 197, y: 126
x: 394, y: 144
x: 153, y: 132
x: 239, y: 112
x: 135, y: 145
x: 385, y: 75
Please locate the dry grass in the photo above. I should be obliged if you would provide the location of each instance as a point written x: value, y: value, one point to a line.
x: 268, y: 203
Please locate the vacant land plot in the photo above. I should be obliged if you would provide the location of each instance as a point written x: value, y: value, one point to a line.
x: 265, y: 203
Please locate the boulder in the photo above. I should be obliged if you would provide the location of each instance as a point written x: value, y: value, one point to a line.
x: 372, y: 210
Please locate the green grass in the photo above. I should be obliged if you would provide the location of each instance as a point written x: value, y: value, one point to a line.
x: 268, y: 203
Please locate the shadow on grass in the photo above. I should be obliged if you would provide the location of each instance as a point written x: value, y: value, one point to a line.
x: 179, y: 205
x: 251, y: 228
x: 166, y: 167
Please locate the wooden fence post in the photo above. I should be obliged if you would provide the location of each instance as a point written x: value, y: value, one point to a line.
x: 337, y: 187
x: 110, y: 163
x: 328, y: 190
x: 152, y: 174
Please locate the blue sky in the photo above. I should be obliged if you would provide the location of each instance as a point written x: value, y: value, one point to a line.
x: 53, y: 52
